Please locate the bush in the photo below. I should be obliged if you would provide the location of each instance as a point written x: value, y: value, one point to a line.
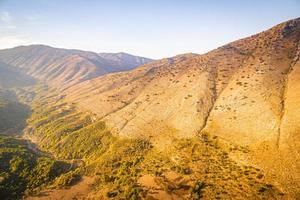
x: 112, y: 194
x: 67, y: 179
x: 196, y: 191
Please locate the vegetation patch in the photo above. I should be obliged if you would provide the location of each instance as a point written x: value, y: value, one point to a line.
x: 23, y: 172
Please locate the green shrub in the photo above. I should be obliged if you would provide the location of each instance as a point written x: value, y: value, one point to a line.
x: 196, y: 191
x: 112, y: 194
x: 67, y: 179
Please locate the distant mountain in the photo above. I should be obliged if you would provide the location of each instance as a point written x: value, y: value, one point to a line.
x: 66, y: 67
x: 124, y: 60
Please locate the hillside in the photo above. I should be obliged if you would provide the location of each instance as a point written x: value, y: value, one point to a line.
x: 244, y: 92
x: 63, y: 67
x: 134, y: 168
x: 256, y: 67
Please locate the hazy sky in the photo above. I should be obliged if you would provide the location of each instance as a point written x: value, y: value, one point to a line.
x: 151, y: 28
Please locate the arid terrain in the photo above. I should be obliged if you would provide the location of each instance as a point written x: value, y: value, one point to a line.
x: 221, y: 125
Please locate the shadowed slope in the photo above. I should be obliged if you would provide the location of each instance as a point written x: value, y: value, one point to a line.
x: 11, y: 77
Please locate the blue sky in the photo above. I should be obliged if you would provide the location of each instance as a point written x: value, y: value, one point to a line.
x: 151, y: 28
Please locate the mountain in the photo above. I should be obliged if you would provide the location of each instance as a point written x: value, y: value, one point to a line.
x: 125, y: 61
x: 66, y: 67
x: 251, y: 69
x: 245, y: 92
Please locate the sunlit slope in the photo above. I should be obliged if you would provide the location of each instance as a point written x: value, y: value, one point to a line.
x: 237, y: 88
x: 245, y: 92
x: 134, y: 168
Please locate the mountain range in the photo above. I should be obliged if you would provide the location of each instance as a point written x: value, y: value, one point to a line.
x: 66, y: 67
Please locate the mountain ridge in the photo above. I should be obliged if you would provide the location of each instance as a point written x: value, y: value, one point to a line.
x: 65, y: 66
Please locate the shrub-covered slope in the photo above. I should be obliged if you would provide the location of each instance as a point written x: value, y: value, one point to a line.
x: 22, y: 171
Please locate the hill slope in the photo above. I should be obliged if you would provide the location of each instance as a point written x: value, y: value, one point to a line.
x: 244, y: 92
x: 195, y: 84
